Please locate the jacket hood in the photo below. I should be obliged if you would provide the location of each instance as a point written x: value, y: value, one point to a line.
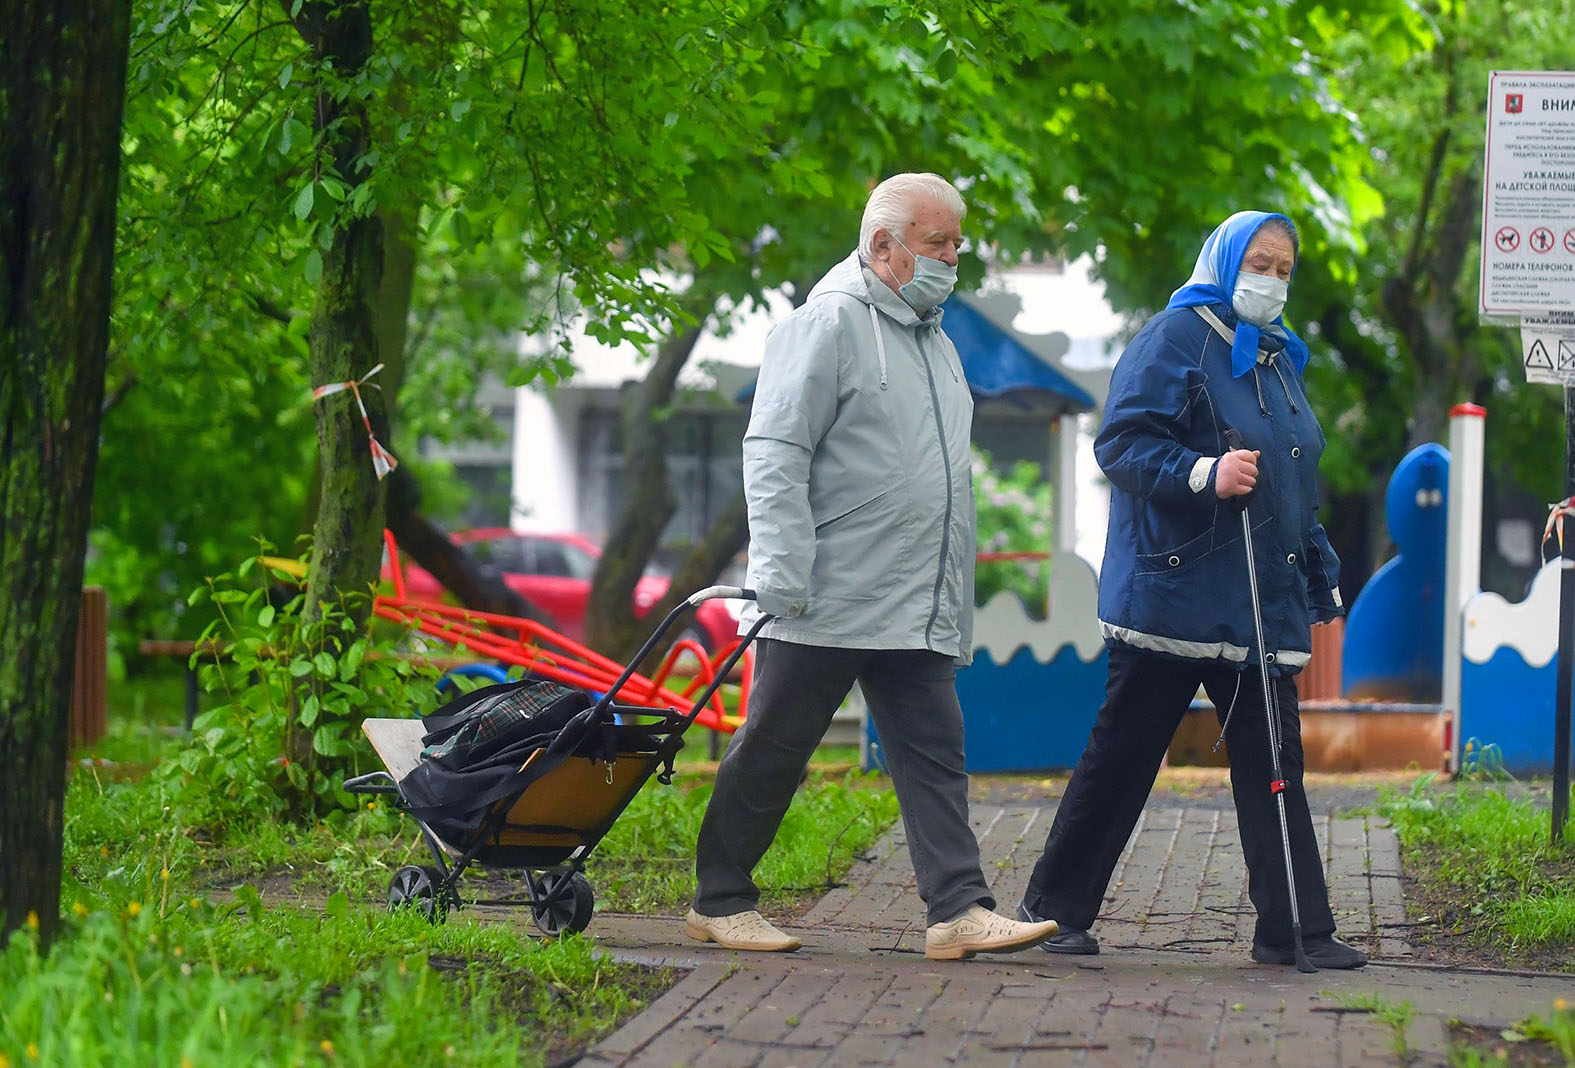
x: 863, y: 284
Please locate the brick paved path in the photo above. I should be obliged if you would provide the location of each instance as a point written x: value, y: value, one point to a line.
x: 1173, y: 986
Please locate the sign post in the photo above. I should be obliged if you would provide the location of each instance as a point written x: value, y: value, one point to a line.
x: 1528, y: 280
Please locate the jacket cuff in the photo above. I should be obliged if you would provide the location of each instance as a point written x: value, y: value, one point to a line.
x: 780, y: 604
x: 1202, y: 474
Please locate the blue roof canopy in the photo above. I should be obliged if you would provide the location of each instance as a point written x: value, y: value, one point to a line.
x: 998, y: 366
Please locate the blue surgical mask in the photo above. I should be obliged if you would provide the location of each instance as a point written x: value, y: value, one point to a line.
x: 931, y: 284
x: 1259, y: 298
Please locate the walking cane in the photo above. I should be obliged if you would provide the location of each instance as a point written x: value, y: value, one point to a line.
x: 1271, y: 709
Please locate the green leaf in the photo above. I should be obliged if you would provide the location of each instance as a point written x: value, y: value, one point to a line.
x: 337, y: 906
x: 309, y: 710
x: 313, y: 271
x: 300, y: 667
x: 303, y: 200
x: 324, y: 664
x: 284, y: 75
x: 946, y: 65
x: 265, y: 616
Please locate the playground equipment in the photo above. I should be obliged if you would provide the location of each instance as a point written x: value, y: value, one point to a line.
x: 546, y: 654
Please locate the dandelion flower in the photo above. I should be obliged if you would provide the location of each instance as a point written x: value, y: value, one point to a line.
x: 326, y: 1046
x: 32, y: 920
x: 134, y: 909
x: 80, y: 910
x: 1560, y: 1004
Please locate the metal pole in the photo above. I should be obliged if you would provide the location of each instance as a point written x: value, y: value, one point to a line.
x: 1563, y: 691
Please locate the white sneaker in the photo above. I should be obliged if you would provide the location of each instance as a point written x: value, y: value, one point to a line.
x: 981, y: 931
x: 741, y: 930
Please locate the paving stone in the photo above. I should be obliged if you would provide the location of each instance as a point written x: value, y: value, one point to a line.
x: 1173, y: 986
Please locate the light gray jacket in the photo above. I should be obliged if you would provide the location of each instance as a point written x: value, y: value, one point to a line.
x: 858, y: 475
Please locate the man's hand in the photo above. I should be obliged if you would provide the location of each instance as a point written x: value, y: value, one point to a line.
x: 1236, y: 473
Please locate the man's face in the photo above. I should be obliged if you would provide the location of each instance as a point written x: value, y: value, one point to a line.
x: 934, y: 230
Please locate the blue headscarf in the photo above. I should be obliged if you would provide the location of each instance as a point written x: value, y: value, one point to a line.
x: 1213, y: 281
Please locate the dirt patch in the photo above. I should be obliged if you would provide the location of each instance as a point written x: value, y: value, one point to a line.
x: 1512, y: 1052
x: 1453, y: 926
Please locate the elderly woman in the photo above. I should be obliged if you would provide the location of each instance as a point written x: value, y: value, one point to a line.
x: 1174, y: 601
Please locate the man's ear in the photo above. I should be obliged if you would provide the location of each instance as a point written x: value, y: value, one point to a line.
x: 881, y: 245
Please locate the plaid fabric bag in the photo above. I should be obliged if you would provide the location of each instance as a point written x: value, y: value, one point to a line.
x: 494, y: 715
x: 478, y: 749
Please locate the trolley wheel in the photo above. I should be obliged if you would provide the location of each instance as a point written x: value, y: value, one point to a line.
x: 561, y: 902
x: 419, y: 887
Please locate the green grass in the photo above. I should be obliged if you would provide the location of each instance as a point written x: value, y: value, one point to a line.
x: 170, y: 953
x: 181, y: 981
x: 1492, y: 853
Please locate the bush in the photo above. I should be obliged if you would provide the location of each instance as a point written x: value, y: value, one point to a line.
x: 1013, y: 516
x: 292, y: 694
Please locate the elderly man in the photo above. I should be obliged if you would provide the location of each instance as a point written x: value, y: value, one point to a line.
x: 861, y: 524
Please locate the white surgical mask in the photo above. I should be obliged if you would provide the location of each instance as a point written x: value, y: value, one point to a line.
x: 931, y: 284
x: 1259, y: 298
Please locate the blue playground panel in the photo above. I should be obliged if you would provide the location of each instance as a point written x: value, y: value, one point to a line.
x: 1394, y: 635
x: 1509, y: 704
x: 1022, y: 715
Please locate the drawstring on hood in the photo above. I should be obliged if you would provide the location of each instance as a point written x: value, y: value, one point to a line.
x: 880, y: 343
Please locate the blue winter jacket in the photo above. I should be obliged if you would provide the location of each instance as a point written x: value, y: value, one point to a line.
x: 1174, y: 580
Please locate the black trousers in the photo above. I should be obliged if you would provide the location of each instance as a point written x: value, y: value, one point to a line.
x: 1145, y: 697
x: 912, y: 696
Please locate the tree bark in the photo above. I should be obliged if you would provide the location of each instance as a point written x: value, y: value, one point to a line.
x: 347, y: 534
x: 610, y: 626
x: 62, y: 90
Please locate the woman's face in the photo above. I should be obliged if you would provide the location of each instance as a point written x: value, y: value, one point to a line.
x: 1270, y: 252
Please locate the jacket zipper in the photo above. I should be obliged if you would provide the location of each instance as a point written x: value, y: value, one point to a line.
x: 946, y: 465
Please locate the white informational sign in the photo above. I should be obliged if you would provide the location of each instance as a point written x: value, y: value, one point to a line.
x: 1547, y: 347
x: 1528, y: 194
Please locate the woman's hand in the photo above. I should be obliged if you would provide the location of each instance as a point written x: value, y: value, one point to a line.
x: 1236, y: 473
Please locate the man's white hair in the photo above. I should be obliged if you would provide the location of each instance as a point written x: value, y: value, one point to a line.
x: 890, y: 206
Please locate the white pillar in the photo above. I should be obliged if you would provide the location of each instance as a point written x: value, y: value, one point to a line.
x: 544, y: 476
x: 1463, y: 552
x: 1065, y: 491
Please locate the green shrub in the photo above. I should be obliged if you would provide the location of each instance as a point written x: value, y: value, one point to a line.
x: 291, y: 693
x: 1013, y: 516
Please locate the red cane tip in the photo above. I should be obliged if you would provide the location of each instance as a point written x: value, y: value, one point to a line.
x: 1277, y: 786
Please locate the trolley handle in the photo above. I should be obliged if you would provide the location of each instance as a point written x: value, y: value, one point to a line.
x: 713, y: 592
x: 707, y: 594
x: 370, y: 784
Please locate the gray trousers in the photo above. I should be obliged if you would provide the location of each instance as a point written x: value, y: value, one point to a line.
x: 912, y: 696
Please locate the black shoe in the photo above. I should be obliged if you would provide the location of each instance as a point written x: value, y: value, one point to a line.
x: 1068, y: 940
x: 1324, y: 952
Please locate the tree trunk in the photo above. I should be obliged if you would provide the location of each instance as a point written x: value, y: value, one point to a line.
x: 347, y: 535
x: 346, y: 538
x: 62, y: 89
x: 610, y: 626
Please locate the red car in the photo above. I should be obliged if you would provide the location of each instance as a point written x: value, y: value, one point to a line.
x: 553, y: 572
